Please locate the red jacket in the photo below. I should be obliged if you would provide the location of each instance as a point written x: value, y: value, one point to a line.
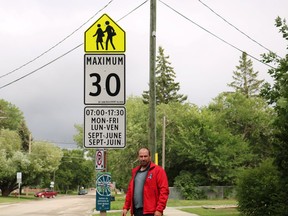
x: 155, y: 191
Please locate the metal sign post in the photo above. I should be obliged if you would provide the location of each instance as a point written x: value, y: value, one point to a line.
x: 19, y: 181
x: 105, y: 93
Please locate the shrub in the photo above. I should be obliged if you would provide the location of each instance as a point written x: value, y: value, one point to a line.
x: 187, y: 186
x: 257, y: 190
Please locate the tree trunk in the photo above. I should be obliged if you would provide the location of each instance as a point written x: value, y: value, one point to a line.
x: 5, y: 192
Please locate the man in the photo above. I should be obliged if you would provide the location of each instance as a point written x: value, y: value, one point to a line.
x: 148, y: 189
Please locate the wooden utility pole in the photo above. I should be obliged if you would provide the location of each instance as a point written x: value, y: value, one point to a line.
x: 163, y: 141
x: 152, y: 83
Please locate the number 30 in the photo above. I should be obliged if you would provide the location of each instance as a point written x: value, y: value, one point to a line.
x: 107, y: 84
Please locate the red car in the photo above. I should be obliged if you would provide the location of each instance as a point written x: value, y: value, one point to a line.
x: 46, y: 193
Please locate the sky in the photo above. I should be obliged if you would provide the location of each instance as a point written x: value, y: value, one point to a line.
x: 51, y: 95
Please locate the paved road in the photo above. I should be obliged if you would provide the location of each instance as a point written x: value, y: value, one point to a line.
x: 59, y: 206
x: 65, y: 206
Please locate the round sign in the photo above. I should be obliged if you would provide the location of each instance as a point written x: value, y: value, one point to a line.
x: 103, y: 185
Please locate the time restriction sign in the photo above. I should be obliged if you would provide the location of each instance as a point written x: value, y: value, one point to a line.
x: 104, y: 77
x: 104, y: 127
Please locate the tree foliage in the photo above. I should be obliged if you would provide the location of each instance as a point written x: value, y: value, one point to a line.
x: 207, y: 142
x: 14, y: 152
x: 245, y: 79
x: 196, y: 142
x: 277, y: 96
x: 250, y: 118
x: 187, y: 186
x: 258, y: 191
x: 12, y: 118
x: 75, y: 171
x: 121, y: 161
x: 167, y: 90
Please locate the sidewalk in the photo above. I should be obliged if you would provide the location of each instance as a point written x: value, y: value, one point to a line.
x: 171, y: 211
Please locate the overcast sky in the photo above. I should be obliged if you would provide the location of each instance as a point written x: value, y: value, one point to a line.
x: 52, y: 98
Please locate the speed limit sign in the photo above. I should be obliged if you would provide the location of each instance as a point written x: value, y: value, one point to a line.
x: 104, y: 79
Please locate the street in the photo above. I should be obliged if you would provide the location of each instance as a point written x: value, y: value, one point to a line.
x: 82, y: 205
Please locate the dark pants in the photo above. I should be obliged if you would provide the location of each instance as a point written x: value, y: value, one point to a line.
x: 139, y: 212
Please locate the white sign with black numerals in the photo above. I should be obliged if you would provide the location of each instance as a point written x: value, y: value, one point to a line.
x: 104, y: 127
x: 104, y: 77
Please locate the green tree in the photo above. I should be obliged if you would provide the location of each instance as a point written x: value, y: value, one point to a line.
x: 277, y: 96
x: 12, y: 118
x: 75, y: 171
x: 45, y: 158
x: 166, y: 87
x: 12, y: 160
x: 251, y: 118
x: 198, y: 143
x: 121, y: 161
x: 245, y: 79
x: 14, y: 155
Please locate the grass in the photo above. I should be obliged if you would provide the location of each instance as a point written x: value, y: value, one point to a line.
x: 13, y: 199
x: 177, y: 203
x: 213, y: 212
x: 118, y: 204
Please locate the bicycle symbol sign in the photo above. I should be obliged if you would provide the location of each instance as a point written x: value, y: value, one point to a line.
x: 103, y: 191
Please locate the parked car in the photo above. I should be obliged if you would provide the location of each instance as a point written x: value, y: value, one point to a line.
x: 46, y: 193
x: 82, y: 192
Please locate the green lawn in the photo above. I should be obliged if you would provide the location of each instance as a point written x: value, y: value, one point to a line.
x: 177, y: 203
x: 213, y: 212
x: 118, y: 203
x: 13, y: 199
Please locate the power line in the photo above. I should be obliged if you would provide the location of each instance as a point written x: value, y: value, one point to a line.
x: 43, y: 66
x: 61, y: 41
x: 236, y: 28
x: 214, y: 35
x: 57, y: 45
x: 132, y: 10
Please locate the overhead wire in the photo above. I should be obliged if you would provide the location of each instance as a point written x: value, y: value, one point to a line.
x: 132, y: 10
x: 57, y: 44
x: 118, y: 21
x: 43, y: 66
x: 214, y: 35
x: 3, y: 86
x: 225, y: 20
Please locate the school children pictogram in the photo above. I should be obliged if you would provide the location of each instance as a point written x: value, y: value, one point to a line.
x: 104, y: 36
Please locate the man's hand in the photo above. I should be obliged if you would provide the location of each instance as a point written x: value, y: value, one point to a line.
x: 157, y: 213
x: 124, y: 212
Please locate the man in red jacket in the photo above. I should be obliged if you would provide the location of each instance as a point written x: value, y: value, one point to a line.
x: 148, y: 189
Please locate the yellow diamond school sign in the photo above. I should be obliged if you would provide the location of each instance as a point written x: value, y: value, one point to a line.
x: 104, y: 36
